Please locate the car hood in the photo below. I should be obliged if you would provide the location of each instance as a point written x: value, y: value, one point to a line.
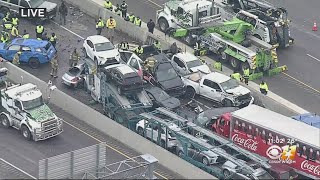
x: 239, y: 90
x: 41, y: 113
x: 2, y: 45
x: 49, y: 5
x: 203, y: 68
x: 108, y: 54
x: 172, y: 83
x: 171, y: 103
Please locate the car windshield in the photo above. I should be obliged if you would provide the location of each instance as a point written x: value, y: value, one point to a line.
x: 165, y: 72
x: 35, y: 3
x: 33, y: 103
x: 230, y: 84
x: 104, y: 46
x: 162, y: 96
x: 194, y: 63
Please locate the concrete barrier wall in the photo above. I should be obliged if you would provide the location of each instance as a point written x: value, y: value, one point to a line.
x: 108, y: 126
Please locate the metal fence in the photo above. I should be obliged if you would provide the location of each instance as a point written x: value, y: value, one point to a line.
x: 74, y: 164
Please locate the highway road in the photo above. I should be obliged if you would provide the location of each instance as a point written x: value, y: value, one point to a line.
x: 300, y: 84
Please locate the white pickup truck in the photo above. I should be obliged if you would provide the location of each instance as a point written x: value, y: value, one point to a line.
x: 217, y: 87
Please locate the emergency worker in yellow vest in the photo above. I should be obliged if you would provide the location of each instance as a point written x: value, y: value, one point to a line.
x: 4, y: 36
x: 246, y: 76
x: 124, y: 45
x: 236, y: 76
x: 138, y: 50
x: 111, y: 25
x: 149, y: 64
x: 16, y: 58
x: 15, y: 21
x: 14, y: 32
x: 131, y: 17
x: 53, y: 39
x: 99, y: 26
x: 157, y: 45
x: 108, y: 5
x: 137, y: 21
x: 54, y: 66
x: 7, y: 25
x: 7, y: 17
x: 118, y: 10
x: 39, y: 31
x: 217, y: 65
x: 197, y: 48
x: 74, y: 58
x: 25, y: 35
x: 264, y: 88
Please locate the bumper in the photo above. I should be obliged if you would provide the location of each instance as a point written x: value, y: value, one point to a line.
x: 44, y: 136
x: 244, y: 103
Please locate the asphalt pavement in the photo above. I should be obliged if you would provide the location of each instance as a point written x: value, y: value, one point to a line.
x: 300, y: 84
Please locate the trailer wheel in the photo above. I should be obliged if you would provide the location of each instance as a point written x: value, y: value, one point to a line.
x: 226, y: 173
x: 25, y: 132
x: 163, y: 144
x: 190, y: 92
x: 227, y: 103
x: 244, y: 66
x: 140, y: 131
x: 235, y: 63
x: 163, y: 24
x: 205, y: 161
x: 4, y: 121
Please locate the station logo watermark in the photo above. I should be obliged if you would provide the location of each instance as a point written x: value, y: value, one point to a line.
x: 33, y: 12
x: 285, y: 154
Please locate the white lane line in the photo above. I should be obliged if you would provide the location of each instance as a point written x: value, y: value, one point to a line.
x: 313, y: 57
x: 18, y: 169
x: 68, y: 30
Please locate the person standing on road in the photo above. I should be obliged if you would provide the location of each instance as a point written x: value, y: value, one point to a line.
x: 131, y: 17
x: 53, y: 40
x: 108, y: 5
x: 124, y: 45
x: 151, y: 26
x: 63, y: 10
x: 111, y: 25
x: 25, y: 35
x: 14, y: 32
x: 4, y: 37
x: 124, y: 8
x: 16, y: 58
x: 74, y: 58
x: 246, y: 76
x: 54, y: 66
x: 138, y: 50
x: 264, y: 88
x: 236, y: 75
x: 15, y: 21
x: 39, y: 31
x: 217, y: 65
x: 137, y: 21
x: 99, y: 26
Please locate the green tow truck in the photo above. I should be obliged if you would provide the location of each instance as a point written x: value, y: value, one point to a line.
x: 233, y: 42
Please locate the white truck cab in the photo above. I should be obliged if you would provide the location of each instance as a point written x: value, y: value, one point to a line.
x: 23, y: 108
x: 217, y: 87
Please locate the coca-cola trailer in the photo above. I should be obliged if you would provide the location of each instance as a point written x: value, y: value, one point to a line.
x: 272, y: 135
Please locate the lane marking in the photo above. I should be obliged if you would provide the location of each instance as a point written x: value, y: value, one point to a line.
x: 68, y: 30
x: 18, y: 168
x: 111, y: 147
x: 316, y: 90
x: 313, y: 57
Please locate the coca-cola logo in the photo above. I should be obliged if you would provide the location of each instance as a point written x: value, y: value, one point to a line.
x: 310, y: 167
x: 247, y: 143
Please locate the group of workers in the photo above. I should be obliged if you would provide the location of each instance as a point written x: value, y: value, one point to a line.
x: 111, y: 24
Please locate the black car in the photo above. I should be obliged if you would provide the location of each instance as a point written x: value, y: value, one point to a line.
x: 166, y: 77
x: 208, y: 117
x: 161, y: 99
x: 124, y: 78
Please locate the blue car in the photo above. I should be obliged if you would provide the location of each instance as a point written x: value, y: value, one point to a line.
x: 33, y: 52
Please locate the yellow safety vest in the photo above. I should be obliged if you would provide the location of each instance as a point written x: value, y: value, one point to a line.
x: 4, y: 19
x: 8, y: 25
x: 39, y: 39
x: 26, y: 36
x: 108, y: 5
x: 218, y: 66
x: 14, y: 31
x: 236, y: 76
x: 100, y: 24
x: 137, y: 21
x: 264, y: 86
x: 157, y: 45
x: 15, y: 21
x: 138, y: 51
x: 75, y: 56
x: 246, y: 72
x: 53, y: 38
x: 111, y: 24
x: 40, y: 29
x: 4, y: 38
x: 131, y: 18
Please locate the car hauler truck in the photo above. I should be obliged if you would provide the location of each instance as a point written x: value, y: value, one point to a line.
x: 23, y: 108
x: 233, y: 42
x: 272, y: 135
x: 195, y: 13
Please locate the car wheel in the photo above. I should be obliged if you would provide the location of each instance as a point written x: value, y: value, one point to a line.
x: 163, y: 24
x: 180, y: 153
x: 226, y: 173
x: 163, y: 144
x: 190, y: 92
x: 235, y: 63
x: 140, y: 131
x: 227, y: 103
x: 84, y: 52
x: 25, y: 132
x: 34, y: 63
x: 205, y: 161
x: 4, y: 121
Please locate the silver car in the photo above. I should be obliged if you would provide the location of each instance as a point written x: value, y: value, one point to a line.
x: 74, y: 76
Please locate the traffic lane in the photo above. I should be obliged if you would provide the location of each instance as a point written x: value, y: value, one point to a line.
x: 26, y: 154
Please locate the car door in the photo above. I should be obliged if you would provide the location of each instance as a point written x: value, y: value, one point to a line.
x: 11, y: 51
x: 89, y: 48
x: 26, y: 54
x: 18, y: 113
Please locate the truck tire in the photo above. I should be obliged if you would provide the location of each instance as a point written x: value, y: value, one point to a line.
x: 4, y: 121
x: 26, y: 133
x: 34, y: 63
x: 190, y: 92
x: 235, y: 63
x: 224, y: 57
x: 227, y: 103
x: 163, y: 144
x: 205, y: 161
x: 244, y: 66
x: 163, y: 24
x: 140, y: 131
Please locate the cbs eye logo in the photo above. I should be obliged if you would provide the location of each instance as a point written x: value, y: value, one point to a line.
x: 275, y: 152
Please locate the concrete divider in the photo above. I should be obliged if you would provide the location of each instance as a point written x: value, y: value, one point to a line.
x: 108, y: 126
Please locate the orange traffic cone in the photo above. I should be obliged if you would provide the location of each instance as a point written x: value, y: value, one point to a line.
x: 314, y: 28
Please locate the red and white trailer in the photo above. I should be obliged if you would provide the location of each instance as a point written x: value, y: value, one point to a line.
x: 272, y: 135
